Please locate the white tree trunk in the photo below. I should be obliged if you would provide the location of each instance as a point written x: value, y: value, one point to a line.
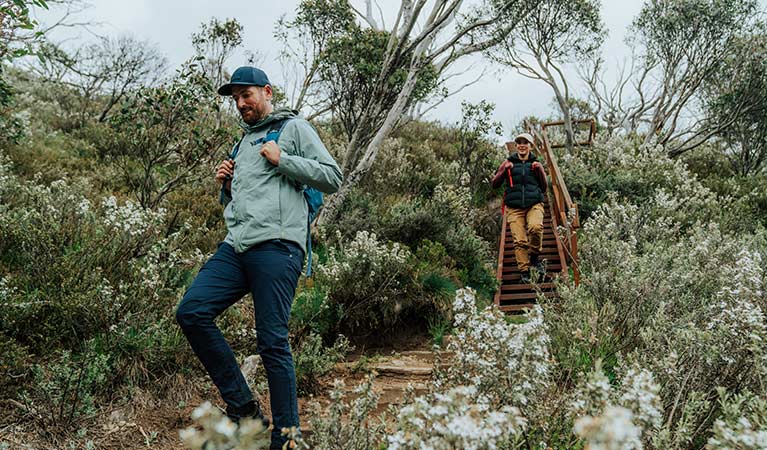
x: 332, y: 206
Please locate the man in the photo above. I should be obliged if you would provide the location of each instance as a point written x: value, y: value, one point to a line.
x: 266, y: 217
x: 524, y: 204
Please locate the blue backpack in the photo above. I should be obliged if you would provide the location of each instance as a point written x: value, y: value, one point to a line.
x: 313, y: 197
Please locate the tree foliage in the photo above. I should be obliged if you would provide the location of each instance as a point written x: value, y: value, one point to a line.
x: 420, y: 46
x: 736, y: 100
x: 677, y: 47
x: 477, y: 154
x: 214, y: 43
x: 350, y: 69
x: 304, y: 40
x: 163, y: 136
x: 101, y: 74
x: 554, y: 34
x: 14, y: 19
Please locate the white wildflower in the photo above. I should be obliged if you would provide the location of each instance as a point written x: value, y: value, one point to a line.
x: 613, y: 430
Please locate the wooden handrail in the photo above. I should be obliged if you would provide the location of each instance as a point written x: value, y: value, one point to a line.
x: 592, y: 130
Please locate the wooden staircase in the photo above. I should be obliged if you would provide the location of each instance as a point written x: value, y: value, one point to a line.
x: 514, y: 297
x: 560, y: 244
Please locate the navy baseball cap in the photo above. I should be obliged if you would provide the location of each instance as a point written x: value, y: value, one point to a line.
x: 245, y: 76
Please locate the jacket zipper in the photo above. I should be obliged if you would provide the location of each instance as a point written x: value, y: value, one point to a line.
x: 524, y: 182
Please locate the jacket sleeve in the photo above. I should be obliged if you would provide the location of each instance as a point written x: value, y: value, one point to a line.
x: 500, y: 175
x: 305, y: 159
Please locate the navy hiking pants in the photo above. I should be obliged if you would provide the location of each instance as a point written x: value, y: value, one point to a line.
x: 269, y: 271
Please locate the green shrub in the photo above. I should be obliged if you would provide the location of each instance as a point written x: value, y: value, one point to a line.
x: 74, y: 269
x: 63, y: 391
x: 368, y: 281
x: 313, y: 360
x: 446, y: 218
x: 685, y: 303
x: 312, y: 312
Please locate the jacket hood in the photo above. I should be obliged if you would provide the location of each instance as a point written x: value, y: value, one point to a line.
x: 514, y: 157
x: 277, y: 114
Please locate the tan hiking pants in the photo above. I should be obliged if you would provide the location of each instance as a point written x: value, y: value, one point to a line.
x: 526, y: 231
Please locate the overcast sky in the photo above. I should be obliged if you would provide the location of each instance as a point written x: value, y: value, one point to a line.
x: 169, y: 24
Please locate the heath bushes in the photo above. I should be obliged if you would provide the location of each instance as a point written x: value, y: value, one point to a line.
x: 87, y: 291
x: 369, y: 280
x: 672, y: 285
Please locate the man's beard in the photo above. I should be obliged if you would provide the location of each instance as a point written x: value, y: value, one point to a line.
x: 255, y: 116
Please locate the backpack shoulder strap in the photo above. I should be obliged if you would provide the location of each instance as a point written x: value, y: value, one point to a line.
x: 275, y: 130
x: 236, y: 147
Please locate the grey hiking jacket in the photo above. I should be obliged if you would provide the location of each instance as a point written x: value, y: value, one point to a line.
x: 267, y: 201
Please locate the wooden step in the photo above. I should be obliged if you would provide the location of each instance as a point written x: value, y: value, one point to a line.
x: 516, y: 308
x: 514, y: 297
x: 524, y: 296
x: 526, y: 287
x: 546, y: 228
x: 550, y: 269
x: 549, y: 261
x: 549, y: 234
x: 513, y: 277
x: 547, y: 250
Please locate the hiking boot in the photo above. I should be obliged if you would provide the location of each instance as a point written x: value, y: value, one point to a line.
x: 279, y: 442
x: 250, y: 410
x: 524, y: 277
x: 537, y: 264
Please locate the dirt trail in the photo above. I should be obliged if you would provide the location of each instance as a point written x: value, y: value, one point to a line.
x: 150, y: 422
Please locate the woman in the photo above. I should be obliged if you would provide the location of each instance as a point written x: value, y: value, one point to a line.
x: 524, y: 204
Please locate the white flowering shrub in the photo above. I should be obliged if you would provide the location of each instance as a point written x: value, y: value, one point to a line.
x: 461, y: 418
x: 368, y: 279
x: 669, y: 285
x: 593, y: 393
x: 87, y: 292
x: 623, y: 166
x: 130, y: 218
x: 742, y: 424
x: 214, y: 431
x: 347, y: 423
x: 613, y: 430
x: 509, y: 363
x: 617, y: 417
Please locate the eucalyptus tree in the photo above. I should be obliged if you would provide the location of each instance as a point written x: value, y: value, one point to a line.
x: 165, y: 136
x: 15, y: 19
x: 15, y: 25
x: 426, y: 38
x: 304, y: 40
x: 476, y: 150
x: 101, y: 73
x: 554, y: 34
x: 677, y: 47
x: 685, y: 41
x: 214, y: 43
x: 735, y: 99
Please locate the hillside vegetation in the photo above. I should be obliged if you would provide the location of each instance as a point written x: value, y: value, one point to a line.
x: 108, y: 208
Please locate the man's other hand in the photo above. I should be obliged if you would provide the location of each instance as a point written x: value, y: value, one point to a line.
x: 271, y: 151
x: 224, y: 172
